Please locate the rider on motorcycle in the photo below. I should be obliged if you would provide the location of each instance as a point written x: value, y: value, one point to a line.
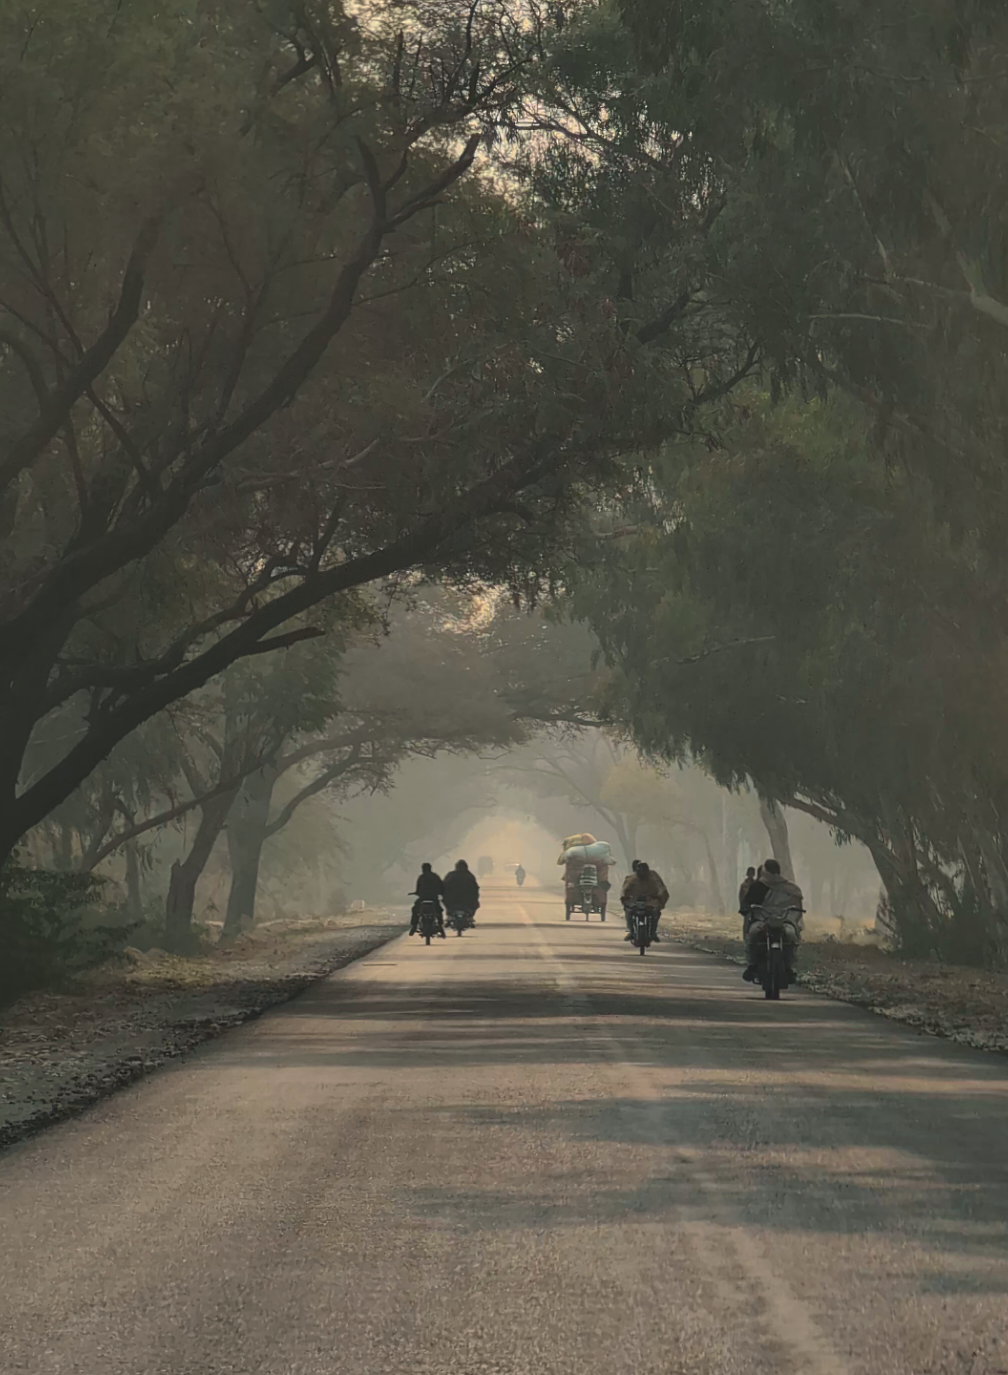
x: 644, y: 885
x: 772, y: 893
x: 461, y: 891
x: 520, y: 875
x: 429, y: 888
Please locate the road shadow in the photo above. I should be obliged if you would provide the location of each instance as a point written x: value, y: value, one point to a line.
x: 896, y: 1166
x: 805, y: 1116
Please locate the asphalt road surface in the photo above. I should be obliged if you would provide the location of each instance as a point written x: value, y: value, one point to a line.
x: 526, y: 1151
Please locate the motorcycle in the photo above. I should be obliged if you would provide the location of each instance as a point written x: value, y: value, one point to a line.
x: 640, y: 926
x: 459, y: 919
x: 771, y: 964
x: 519, y: 876
x: 428, y: 924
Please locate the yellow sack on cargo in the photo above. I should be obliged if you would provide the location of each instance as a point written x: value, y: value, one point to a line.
x: 582, y: 839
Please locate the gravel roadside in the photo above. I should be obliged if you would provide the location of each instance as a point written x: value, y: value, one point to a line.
x: 961, y: 1004
x: 61, y: 1052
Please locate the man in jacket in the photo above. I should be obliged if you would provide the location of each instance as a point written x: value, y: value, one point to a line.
x: 644, y: 885
x: 429, y: 888
x: 754, y: 895
x: 747, y: 883
x: 461, y: 891
x: 772, y: 893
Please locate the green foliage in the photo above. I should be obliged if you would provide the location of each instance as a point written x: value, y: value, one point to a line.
x: 343, y: 352
x: 792, y: 612
x: 814, y: 596
x: 50, y: 928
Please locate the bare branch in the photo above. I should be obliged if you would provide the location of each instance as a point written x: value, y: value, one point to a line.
x: 664, y: 322
x: 95, y: 360
x: 410, y: 549
x: 312, y: 789
x: 718, y: 649
x: 430, y: 195
x: 293, y: 637
x: 720, y: 389
x: 172, y: 814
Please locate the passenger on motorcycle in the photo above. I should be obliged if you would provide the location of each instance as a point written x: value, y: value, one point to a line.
x: 644, y: 885
x: 772, y: 893
x: 429, y: 888
x: 747, y: 883
x: 461, y: 891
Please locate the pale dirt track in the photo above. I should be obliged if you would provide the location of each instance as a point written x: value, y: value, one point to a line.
x: 524, y: 1152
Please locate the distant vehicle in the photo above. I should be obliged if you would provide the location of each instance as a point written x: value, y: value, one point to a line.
x: 520, y: 875
x: 484, y: 866
x: 586, y: 887
x: 640, y: 925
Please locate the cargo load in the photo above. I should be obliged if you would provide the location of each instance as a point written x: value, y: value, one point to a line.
x: 582, y: 838
x: 598, y: 852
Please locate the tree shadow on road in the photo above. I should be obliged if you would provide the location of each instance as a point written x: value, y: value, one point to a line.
x: 932, y: 1179
x: 807, y: 1116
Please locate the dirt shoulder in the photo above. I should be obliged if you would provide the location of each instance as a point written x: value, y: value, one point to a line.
x: 60, y: 1052
x: 962, y: 1004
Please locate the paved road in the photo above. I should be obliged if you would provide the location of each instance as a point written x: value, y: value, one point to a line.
x: 524, y: 1152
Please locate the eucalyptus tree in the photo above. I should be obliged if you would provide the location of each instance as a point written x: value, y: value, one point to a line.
x: 422, y: 688
x: 823, y: 184
x: 792, y: 615
x: 269, y: 336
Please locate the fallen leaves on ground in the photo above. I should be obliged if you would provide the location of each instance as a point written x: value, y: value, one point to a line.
x: 61, y: 1051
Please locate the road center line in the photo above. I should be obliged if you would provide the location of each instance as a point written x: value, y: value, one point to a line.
x: 784, y: 1318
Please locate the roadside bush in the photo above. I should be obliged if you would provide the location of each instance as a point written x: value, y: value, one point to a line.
x: 52, y: 926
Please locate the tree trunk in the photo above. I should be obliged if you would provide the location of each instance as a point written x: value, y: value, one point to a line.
x: 715, y: 883
x: 185, y: 875
x: 63, y: 853
x: 731, y: 839
x: 997, y: 877
x: 134, y: 887
x: 777, y: 829
x: 917, y: 922
x: 23, y: 680
x: 626, y: 834
x: 246, y: 835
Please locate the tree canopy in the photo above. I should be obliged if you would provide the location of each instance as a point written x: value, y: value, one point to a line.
x: 687, y: 316
x: 274, y: 224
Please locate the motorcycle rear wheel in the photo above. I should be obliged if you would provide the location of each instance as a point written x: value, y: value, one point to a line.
x: 774, y: 976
